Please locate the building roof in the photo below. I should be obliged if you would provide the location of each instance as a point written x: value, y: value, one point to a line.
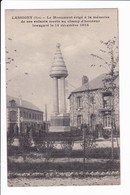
x: 24, y: 104
x: 94, y: 84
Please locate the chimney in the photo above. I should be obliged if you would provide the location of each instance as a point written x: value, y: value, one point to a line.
x: 84, y: 80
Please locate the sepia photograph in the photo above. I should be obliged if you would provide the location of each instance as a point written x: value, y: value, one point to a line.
x: 62, y: 97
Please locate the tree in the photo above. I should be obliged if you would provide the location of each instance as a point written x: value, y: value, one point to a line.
x: 109, y: 61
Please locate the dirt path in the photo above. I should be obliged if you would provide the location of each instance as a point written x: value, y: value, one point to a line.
x: 107, y: 180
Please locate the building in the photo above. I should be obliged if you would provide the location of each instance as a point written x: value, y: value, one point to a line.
x: 92, y: 103
x: 23, y: 116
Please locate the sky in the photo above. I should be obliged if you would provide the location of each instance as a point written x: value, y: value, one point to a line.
x: 30, y: 51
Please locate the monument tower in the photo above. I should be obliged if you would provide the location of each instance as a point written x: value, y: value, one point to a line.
x: 60, y: 120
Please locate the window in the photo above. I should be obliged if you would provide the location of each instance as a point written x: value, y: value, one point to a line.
x: 107, y: 121
x: 79, y: 120
x: 79, y: 101
x: 12, y: 103
x: 24, y: 115
x: 107, y: 100
x: 33, y: 115
x: 92, y: 99
x: 93, y: 121
x: 29, y: 115
x: 13, y: 116
x: 41, y: 117
x: 21, y: 113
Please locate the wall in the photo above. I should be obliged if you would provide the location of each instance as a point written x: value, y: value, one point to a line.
x: 92, y: 104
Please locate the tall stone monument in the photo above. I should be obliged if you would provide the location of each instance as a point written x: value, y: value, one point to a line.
x: 60, y: 120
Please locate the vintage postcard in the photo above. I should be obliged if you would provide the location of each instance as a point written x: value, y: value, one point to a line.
x: 62, y: 88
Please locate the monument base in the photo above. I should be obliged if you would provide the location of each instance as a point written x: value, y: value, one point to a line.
x: 60, y: 123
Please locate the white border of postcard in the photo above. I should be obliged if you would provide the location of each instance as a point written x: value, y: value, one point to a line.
x: 124, y: 50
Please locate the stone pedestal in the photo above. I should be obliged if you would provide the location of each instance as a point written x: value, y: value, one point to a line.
x: 60, y: 123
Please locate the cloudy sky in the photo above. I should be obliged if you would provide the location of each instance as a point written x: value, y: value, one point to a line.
x: 30, y: 51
